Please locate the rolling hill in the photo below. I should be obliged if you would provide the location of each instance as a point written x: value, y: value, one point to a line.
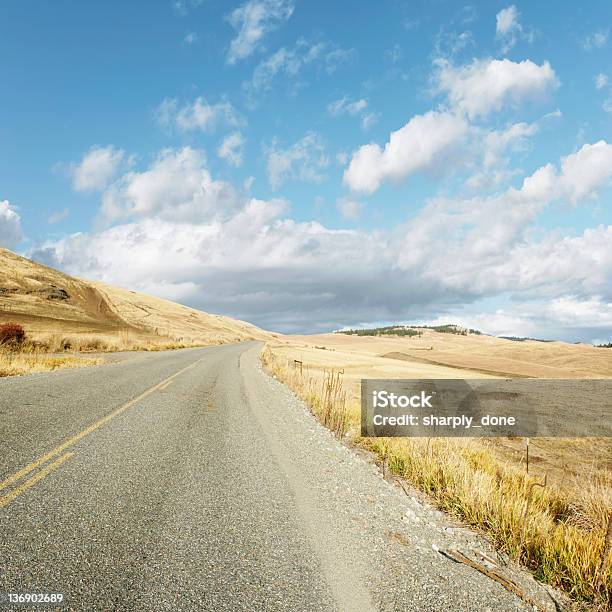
x: 47, y: 302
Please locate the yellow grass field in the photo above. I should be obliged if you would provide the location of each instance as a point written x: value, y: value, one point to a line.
x: 440, y: 355
x: 558, y: 530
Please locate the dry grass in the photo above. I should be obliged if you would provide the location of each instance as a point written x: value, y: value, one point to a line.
x: 57, y: 351
x: 561, y: 460
x: 558, y: 533
x: 17, y: 364
x: 104, y: 343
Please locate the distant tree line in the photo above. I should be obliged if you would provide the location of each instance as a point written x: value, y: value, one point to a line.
x: 383, y: 331
x: 410, y: 330
x: 523, y: 339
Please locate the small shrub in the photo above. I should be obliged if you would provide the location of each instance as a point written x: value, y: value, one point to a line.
x: 12, y: 334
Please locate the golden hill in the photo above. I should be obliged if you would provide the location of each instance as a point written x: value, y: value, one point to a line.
x: 47, y: 303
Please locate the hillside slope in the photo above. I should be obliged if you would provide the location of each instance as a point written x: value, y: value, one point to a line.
x: 48, y: 302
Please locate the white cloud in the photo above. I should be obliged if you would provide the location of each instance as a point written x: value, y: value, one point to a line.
x: 342, y: 157
x: 488, y: 85
x: 197, y: 115
x: 507, y: 21
x: 289, y: 275
x: 231, y: 149
x: 97, y: 168
x: 344, y: 106
x: 176, y: 186
x: 349, y: 209
x: 493, y: 167
x: 336, y: 58
x: 596, y: 40
x: 601, y: 80
x: 368, y: 120
x: 305, y: 160
x: 497, y: 141
x: 286, y: 62
x: 424, y: 143
x: 508, y: 27
x: 564, y: 317
x: 583, y: 173
x: 190, y: 38
x: 58, y: 216
x: 182, y: 6
x: 447, y: 44
x: 253, y: 20
x: 10, y: 225
x: 289, y: 62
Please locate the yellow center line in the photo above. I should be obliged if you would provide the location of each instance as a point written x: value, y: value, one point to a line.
x: 165, y: 386
x: 74, y: 439
x: 28, y: 484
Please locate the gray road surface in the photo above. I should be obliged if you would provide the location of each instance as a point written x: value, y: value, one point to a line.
x: 191, y: 480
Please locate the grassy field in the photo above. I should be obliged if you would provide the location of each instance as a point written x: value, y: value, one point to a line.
x: 57, y: 351
x: 557, y: 530
x: 17, y: 364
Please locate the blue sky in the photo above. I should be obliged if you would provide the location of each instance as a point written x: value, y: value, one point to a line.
x: 306, y: 167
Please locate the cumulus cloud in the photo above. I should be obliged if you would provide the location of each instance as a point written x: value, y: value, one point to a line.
x: 497, y: 141
x: 508, y: 27
x: 506, y: 21
x: 97, y: 168
x: 176, y: 186
x: 424, y: 143
x: 295, y: 276
x: 196, y: 115
x: 231, y: 149
x: 253, y: 20
x: 484, y: 86
x: 493, y: 167
x: 305, y: 160
x: 10, y: 226
x: 349, y: 209
x: 583, y: 173
x: 564, y: 318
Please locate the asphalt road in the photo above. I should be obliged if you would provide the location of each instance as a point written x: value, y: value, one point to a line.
x: 191, y: 480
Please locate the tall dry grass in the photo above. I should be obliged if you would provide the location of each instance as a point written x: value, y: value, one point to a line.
x: 560, y: 534
x: 106, y: 343
x: 55, y: 351
x: 14, y: 363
